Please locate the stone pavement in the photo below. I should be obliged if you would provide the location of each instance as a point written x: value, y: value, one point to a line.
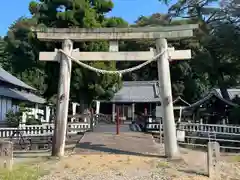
x: 111, y: 128
x: 105, y: 140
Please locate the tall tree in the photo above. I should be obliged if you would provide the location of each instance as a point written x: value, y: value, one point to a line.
x: 22, y: 50
x: 85, y: 85
x: 212, y: 61
x: 3, y: 55
x: 184, y: 81
x: 231, y: 9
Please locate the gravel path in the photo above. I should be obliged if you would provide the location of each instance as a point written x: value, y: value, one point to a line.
x: 106, y: 166
x: 128, y: 167
x: 103, y: 165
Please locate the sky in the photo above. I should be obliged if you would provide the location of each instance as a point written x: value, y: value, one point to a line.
x: 129, y: 10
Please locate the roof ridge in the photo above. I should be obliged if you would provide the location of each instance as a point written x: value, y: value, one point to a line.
x: 180, y: 98
x: 138, y: 82
x: 9, y: 78
x: 227, y: 88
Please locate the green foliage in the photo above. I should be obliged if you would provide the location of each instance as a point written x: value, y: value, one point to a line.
x: 13, y: 119
x: 234, y: 115
x: 23, y: 52
x: 24, y: 171
x: 85, y: 85
x: 184, y: 80
x: 153, y: 20
x: 115, y: 22
x: 231, y: 8
x: 22, y: 48
x: 3, y: 55
x: 234, y: 112
x: 215, y: 52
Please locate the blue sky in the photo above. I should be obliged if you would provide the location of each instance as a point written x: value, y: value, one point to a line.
x: 129, y: 10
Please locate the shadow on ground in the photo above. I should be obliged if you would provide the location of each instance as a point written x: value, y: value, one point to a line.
x: 87, y: 147
x: 36, y: 153
x: 193, y: 172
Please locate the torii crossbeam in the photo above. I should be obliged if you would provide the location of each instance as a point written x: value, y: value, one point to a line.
x: 115, y: 56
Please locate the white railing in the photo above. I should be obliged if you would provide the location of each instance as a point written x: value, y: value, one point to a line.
x: 37, y: 113
x: 37, y: 130
x: 42, y: 130
x: 153, y: 126
x: 205, y: 128
x: 201, y: 128
x: 75, y: 128
x: 6, y: 132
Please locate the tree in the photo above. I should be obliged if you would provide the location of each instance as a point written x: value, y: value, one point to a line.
x: 3, y: 55
x: 22, y: 50
x: 216, y: 56
x: 231, y: 9
x: 184, y: 81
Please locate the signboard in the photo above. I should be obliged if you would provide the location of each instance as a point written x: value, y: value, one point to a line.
x: 213, y: 158
x: 159, y: 111
x: 6, y: 154
x: 180, y: 135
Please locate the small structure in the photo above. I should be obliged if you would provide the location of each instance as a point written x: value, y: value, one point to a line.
x: 76, y: 115
x: 179, y: 105
x: 14, y: 92
x: 6, y: 155
x: 212, y: 108
x: 134, y: 97
x: 138, y: 98
x: 213, y: 155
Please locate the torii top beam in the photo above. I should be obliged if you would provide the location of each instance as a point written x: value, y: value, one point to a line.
x: 84, y: 34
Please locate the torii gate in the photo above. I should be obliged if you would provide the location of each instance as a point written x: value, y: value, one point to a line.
x: 159, y: 34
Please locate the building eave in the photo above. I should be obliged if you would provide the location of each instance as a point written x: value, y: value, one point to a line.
x: 21, y: 95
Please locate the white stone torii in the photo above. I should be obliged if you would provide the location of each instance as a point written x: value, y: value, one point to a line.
x: 67, y: 36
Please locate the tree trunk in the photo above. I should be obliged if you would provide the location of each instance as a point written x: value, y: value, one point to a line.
x: 223, y: 87
x: 224, y: 93
x: 82, y: 105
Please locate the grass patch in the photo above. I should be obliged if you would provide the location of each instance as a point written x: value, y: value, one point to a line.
x: 28, y: 171
x: 236, y: 158
x: 162, y: 165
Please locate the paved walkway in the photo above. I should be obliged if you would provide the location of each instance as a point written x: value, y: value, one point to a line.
x: 111, y: 128
x: 105, y: 140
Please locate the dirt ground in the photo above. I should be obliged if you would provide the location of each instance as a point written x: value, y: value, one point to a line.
x: 120, y: 167
x: 123, y: 157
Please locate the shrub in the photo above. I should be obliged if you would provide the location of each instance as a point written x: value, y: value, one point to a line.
x: 13, y: 119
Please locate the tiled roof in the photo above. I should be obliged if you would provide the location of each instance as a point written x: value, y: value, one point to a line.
x: 7, y: 77
x: 231, y: 92
x: 217, y: 93
x: 21, y: 95
x: 179, y: 99
x: 138, y: 91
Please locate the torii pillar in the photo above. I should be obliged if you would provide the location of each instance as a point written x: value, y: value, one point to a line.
x: 60, y: 126
x: 169, y: 127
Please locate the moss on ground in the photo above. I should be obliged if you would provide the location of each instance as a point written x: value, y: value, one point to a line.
x: 24, y: 171
x: 236, y: 158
